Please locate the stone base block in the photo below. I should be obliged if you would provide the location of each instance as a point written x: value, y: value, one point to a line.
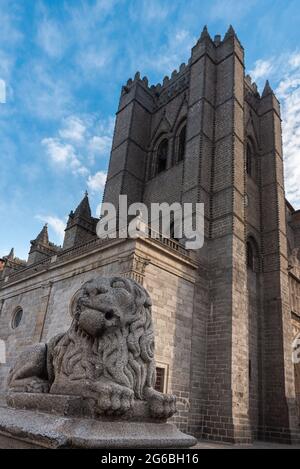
x: 34, y: 429
x: 72, y: 406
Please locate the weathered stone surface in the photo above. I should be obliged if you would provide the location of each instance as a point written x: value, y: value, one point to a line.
x: 107, y: 355
x: 102, y: 370
x: 43, y: 430
x: 76, y: 406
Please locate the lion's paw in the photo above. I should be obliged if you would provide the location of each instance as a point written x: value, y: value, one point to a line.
x: 162, y: 406
x: 115, y: 400
x: 38, y: 385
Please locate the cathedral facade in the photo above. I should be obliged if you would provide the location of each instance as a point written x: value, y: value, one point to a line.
x: 225, y: 315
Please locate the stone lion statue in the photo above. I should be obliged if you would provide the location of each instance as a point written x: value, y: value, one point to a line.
x: 107, y: 354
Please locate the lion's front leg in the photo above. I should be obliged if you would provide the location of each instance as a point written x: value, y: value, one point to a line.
x: 111, y: 398
x: 162, y: 406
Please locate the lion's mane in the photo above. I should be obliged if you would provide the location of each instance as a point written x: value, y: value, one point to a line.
x: 124, y: 355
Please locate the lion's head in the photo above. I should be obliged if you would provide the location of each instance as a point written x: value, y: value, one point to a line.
x: 103, y: 304
x: 116, y: 312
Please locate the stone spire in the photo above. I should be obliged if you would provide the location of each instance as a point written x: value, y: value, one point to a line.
x: 230, y: 33
x: 267, y: 89
x: 205, y: 34
x: 84, y: 209
x: 11, y: 255
x: 5, y: 262
x: 11, y: 263
x: 81, y: 225
x: 42, y: 237
x: 41, y: 247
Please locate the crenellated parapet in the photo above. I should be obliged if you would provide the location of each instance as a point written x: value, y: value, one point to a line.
x: 161, y: 93
x: 172, y: 85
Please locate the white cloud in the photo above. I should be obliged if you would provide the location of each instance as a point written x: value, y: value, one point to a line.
x: 51, y: 38
x: 283, y: 71
x: 57, y: 224
x: 73, y: 129
x: 288, y: 92
x: 10, y: 33
x: 106, y: 126
x: 154, y: 10
x: 230, y: 11
x: 7, y: 63
x: 92, y: 60
x: 294, y: 60
x: 63, y: 155
x: 97, y: 182
x: 98, y: 210
x: 169, y: 57
x: 78, y: 142
x: 48, y: 96
x: 262, y: 69
x: 100, y: 145
x: 2, y: 91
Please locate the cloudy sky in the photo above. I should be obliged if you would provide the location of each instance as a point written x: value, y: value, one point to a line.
x: 63, y: 63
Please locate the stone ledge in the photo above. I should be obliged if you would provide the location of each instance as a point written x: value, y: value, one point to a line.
x: 74, y: 406
x: 25, y: 428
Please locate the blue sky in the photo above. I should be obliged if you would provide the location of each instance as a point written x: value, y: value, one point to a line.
x: 63, y: 63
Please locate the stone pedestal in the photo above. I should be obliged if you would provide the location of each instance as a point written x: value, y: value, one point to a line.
x: 52, y: 421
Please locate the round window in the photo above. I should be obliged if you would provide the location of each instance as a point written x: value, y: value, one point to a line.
x: 17, y: 317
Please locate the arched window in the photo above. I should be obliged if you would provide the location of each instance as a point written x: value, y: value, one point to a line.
x: 249, y: 162
x: 162, y: 155
x: 252, y: 255
x: 16, y: 318
x: 181, y: 144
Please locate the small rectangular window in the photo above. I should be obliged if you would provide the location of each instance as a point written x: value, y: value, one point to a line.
x: 160, y: 379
